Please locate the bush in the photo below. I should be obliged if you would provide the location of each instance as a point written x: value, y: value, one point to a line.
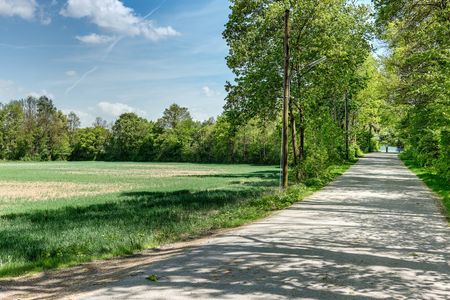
x: 443, y: 163
x: 314, y: 165
x: 427, y: 149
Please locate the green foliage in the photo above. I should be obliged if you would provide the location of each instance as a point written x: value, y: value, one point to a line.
x: 90, y: 143
x: 33, y: 129
x: 332, y: 32
x: 173, y: 116
x: 152, y: 277
x: 419, y: 66
x: 130, y: 133
x: 443, y: 163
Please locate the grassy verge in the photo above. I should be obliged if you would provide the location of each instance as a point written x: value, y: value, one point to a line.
x: 435, y: 182
x: 122, y: 223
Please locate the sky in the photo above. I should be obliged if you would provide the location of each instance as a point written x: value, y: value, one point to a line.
x: 106, y: 57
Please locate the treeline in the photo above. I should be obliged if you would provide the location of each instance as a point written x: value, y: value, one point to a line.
x: 34, y: 129
x: 418, y: 68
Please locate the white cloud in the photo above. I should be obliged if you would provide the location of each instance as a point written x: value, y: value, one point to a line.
x: 116, y: 109
x: 95, y: 39
x: 71, y: 73
x: 20, y: 8
x: 209, y: 92
x: 41, y: 93
x: 114, y: 16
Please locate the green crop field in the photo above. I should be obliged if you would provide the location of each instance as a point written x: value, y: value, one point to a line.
x: 60, y: 213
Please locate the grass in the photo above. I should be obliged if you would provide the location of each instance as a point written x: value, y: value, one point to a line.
x: 151, y: 204
x: 436, y: 183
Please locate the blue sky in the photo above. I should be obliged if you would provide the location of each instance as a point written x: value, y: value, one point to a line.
x: 103, y: 62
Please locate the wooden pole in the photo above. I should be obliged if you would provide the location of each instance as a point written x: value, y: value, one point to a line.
x: 284, y: 149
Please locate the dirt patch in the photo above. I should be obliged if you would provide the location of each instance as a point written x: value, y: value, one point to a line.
x: 150, y: 173
x: 41, y: 190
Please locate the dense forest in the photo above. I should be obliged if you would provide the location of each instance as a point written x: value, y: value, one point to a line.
x: 344, y: 100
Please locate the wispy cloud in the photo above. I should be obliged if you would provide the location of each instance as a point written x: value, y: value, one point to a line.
x: 114, y: 16
x: 95, y: 39
x: 80, y: 79
x: 71, y: 73
x: 44, y: 17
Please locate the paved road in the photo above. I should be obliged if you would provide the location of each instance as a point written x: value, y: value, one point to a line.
x: 376, y: 232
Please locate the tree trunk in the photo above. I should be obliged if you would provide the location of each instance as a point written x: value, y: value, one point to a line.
x: 293, y: 134
x: 301, y: 155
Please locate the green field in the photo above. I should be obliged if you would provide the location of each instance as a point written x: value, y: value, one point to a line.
x: 62, y: 213
x: 57, y: 213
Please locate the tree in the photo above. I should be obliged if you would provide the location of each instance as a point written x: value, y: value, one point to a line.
x: 90, y: 143
x: 11, y: 117
x: 174, y: 115
x: 129, y: 134
x: 100, y: 122
x: 73, y: 123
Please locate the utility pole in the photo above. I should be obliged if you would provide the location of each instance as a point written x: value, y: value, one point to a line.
x: 286, y: 95
x: 346, y: 128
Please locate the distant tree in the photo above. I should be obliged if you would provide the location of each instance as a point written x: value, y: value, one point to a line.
x: 174, y: 115
x: 73, y: 121
x: 90, y: 143
x: 12, y: 118
x: 100, y: 122
x: 129, y: 134
x: 51, y: 133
